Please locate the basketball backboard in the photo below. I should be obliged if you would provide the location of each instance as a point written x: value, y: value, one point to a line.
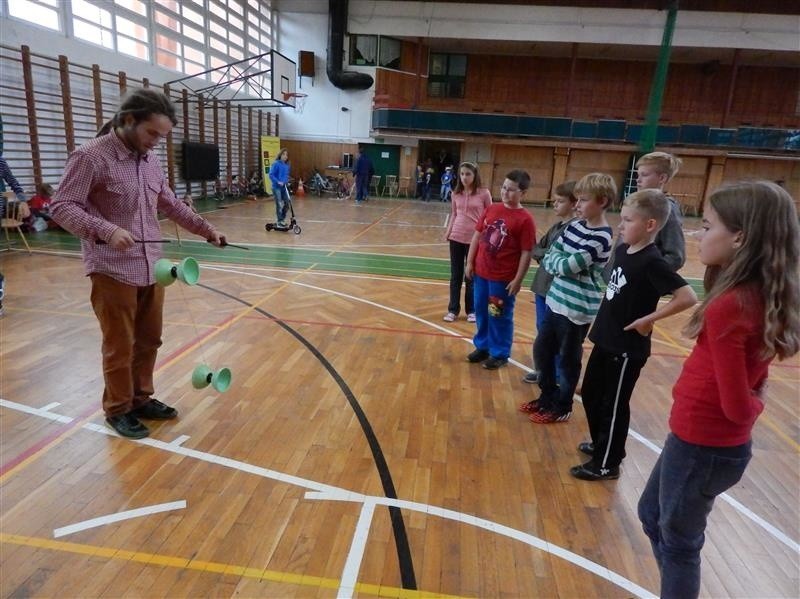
x: 284, y: 79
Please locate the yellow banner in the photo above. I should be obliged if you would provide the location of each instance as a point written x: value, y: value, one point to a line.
x: 270, y: 146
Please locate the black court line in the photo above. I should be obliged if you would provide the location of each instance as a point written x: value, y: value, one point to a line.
x: 406, y: 564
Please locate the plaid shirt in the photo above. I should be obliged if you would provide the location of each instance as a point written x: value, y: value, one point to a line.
x: 105, y: 187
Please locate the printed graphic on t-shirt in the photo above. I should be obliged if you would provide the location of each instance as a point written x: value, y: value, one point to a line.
x: 616, y: 283
x: 495, y: 234
x: 495, y: 306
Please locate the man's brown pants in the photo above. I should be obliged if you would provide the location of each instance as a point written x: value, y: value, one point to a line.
x: 130, y: 320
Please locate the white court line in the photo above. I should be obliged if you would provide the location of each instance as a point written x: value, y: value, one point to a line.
x: 352, y: 565
x: 44, y: 413
x: 50, y: 406
x: 118, y: 517
x: 493, y: 527
x: 178, y: 441
x: 769, y: 528
x: 329, y: 492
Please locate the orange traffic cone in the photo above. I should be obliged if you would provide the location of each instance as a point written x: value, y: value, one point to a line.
x: 301, y: 191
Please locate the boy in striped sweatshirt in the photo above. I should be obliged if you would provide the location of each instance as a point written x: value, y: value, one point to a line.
x: 576, y: 260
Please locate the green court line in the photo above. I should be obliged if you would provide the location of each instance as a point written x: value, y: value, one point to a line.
x: 296, y: 258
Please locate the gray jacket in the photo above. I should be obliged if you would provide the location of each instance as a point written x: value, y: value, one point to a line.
x: 543, y: 279
x: 669, y: 241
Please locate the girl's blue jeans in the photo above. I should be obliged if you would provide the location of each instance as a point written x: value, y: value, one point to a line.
x: 675, y: 504
x: 281, y: 201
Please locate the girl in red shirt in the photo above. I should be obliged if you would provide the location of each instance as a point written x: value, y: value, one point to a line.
x: 750, y: 245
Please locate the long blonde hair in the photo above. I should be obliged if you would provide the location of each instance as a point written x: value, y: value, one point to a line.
x: 767, y: 260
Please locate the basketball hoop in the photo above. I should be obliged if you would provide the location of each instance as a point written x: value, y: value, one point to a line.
x: 299, y: 100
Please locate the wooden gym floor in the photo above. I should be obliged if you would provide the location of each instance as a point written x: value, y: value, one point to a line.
x: 356, y: 453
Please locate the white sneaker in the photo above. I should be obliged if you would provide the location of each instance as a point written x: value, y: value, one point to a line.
x: 449, y: 317
x: 471, y: 317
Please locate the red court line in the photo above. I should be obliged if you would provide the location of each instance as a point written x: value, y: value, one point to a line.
x: 448, y: 335
x: 63, y: 430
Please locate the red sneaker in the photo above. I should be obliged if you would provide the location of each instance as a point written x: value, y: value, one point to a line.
x: 549, y: 417
x: 529, y: 407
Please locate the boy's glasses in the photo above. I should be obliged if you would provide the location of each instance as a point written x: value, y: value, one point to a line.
x: 510, y: 189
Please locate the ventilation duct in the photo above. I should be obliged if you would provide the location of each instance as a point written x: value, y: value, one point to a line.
x: 337, y: 24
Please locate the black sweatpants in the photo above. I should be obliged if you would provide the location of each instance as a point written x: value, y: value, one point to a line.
x: 606, y: 392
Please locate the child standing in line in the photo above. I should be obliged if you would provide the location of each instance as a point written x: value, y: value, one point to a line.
x: 750, y: 244
x: 654, y: 171
x: 621, y: 331
x: 499, y: 256
x: 470, y: 201
x: 576, y: 261
x: 447, y: 179
x: 564, y: 206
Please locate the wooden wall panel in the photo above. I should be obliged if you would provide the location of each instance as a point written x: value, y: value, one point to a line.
x: 583, y: 162
x: 787, y: 171
x: 768, y: 97
x: 537, y: 161
x: 604, y: 89
x: 304, y: 156
x: 691, y: 178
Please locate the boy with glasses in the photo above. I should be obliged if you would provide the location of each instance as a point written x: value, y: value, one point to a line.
x: 499, y: 256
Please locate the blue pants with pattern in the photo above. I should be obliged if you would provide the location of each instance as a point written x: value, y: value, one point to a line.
x: 494, y: 317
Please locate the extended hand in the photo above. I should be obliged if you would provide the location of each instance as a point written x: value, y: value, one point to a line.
x: 218, y: 239
x: 121, y: 240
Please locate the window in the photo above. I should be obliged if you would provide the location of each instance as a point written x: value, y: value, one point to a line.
x: 389, y: 54
x: 41, y: 12
x: 363, y: 50
x: 132, y: 38
x: 373, y: 50
x: 447, y: 75
x: 92, y: 23
x: 136, y: 6
x: 189, y: 36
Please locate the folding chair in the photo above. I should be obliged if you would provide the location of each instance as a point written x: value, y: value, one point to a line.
x: 390, y: 185
x: 403, y: 186
x: 16, y: 212
x: 374, y: 182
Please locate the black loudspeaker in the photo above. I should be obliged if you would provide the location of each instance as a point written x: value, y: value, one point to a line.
x: 305, y: 63
x: 199, y: 162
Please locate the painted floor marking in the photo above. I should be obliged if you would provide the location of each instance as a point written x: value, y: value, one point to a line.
x: 493, y: 527
x: 118, y: 517
x: 769, y: 528
x: 330, y: 492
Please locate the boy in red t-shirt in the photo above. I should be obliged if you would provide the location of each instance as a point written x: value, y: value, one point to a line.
x: 499, y: 256
x: 40, y: 205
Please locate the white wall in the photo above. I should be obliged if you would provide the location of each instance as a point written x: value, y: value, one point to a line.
x: 303, y: 25
x: 570, y: 24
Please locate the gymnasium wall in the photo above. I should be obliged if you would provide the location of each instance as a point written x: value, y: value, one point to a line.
x: 552, y: 164
x: 605, y: 89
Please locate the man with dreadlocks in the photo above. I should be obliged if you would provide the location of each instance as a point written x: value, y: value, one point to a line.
x: 109, y: 196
